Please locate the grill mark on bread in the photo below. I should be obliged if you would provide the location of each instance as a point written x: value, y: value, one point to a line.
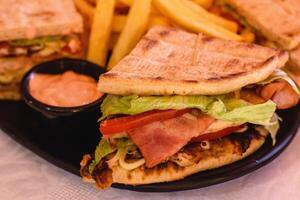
x: 159, y: 78
x: 44, y: 14
x: 164, y: 33
x: 231, y: 62
x: 269, y: 60
x: 110, y: 75
x: 291, y: 34
x: 207, y: 39
x: 148, y: 44
x: 190, y: 81
x: 250, y: 45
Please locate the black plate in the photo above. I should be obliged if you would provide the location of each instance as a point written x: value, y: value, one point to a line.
x: 63, y: 144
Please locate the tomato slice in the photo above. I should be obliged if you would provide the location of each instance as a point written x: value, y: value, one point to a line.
x: 122, y: 124
x: 218, y: 134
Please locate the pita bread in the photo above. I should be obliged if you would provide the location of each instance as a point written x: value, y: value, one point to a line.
x: 276, y: 20
x: 21, y: 19
x: 222, y: 152
x: 169, y: 61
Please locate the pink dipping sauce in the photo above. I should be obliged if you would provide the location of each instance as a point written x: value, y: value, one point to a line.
x: 69, y: 89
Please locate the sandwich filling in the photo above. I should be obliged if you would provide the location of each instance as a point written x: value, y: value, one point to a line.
x: 148, y: 131
x: 42, y: 46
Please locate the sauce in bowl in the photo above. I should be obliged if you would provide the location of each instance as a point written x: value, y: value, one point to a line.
x: 69, y: 89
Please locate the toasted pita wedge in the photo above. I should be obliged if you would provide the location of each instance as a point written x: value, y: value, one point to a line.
x: 170, y: 61
x: 275, y: 19
x: 22, y: 19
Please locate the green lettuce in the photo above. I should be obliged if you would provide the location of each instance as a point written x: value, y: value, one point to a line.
x: 104, y: 148
x: 219, y: 107
x: 41, y: 41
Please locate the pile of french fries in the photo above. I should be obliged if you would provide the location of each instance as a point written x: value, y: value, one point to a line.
x: 118, y: 25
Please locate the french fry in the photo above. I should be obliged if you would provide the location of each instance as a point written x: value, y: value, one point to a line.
x: 204, y: 3
x: 85, y: 8
x: 157, y: 20
x: 230, y: 25
x: 113, y: 40
x: 100, y: 32
x: 93, y: 2
x: 120, y: 20
x: 154, y: 11
x: 247, y: 36
x: 191, y: 21
x: 118, y: 23
x: 126, y: 2
x: 122, y: 6
x: 135, y: 27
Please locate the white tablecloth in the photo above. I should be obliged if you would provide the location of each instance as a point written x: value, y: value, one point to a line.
x: 23, y: 175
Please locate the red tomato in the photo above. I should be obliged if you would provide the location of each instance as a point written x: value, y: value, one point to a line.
x: 121, y: 124
x: 218, y: 134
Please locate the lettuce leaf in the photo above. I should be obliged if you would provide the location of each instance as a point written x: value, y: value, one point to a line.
x: 243, y: 112
x: 102, y: 150
x: 36, y: 42
x: 219, y: 107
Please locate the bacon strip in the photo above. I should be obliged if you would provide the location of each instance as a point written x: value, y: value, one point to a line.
x: 162, y: 139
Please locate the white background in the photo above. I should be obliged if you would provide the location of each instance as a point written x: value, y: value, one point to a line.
x: 23, y: 175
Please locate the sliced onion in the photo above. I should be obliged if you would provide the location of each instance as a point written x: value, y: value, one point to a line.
x: 129, y: 166
x: 113, y: 161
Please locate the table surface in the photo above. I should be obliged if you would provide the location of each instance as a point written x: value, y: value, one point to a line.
x: 24, y: 175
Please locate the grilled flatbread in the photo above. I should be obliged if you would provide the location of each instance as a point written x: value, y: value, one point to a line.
x: 275, y: 19
x: 22, y: 19
x: 169, y: 61
x: 191, y: 159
